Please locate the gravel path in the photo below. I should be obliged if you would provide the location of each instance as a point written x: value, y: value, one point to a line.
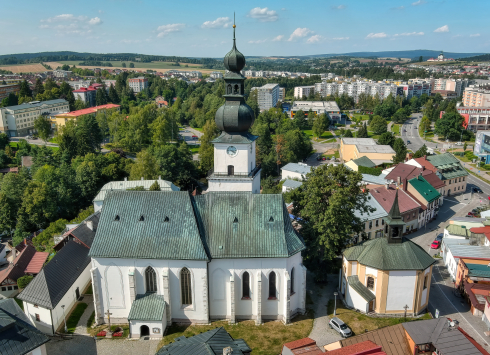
x: 81, y: 328
x: 320, y: 294
x: 127, y: 347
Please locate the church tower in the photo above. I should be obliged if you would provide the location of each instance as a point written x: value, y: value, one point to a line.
x: 235, y: 166
x: 394, y: 222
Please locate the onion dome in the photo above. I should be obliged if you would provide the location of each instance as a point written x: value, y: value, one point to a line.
x: 234, y: 60
x: 234, y: 118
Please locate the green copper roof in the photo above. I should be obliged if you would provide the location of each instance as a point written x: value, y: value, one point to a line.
x: 426, y: 190
x: 394, y: 217
x: 448, y: 165
x: 235, y: 138
x: 246, y: 225
x: 148, y: 225
x: 362, y: 290
x: 149, y: 307
x: 364, y: 161
x: 381, y: 255
x: 478, y: 270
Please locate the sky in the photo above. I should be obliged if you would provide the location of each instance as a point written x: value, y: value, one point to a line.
x: 264, y: 28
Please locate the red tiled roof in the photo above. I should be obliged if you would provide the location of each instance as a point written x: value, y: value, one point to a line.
x: 16, y: 269
x: 386, y: 196
x: 309, y: 350
x: 427, y: 164
x: 90, y: 110
x: 433, y: 179
x: 481, y: 230
x: 37, y: 262
x: 9, y: 170
x: 472, y: 290
x: 85, y: 89
x: 472, y: 341
x: 404, y: 171
x: 358, y: 349
x: 301, y: 343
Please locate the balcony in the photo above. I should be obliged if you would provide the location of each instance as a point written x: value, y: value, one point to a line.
x: 225, y: 175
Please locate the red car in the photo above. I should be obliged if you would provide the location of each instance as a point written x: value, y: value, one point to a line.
x: 435, y: 244
x: 195, y: 137
x: 471, y: 214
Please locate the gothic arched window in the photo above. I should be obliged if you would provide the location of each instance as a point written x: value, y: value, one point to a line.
x: 185, y: 286
x: 236, y: 89
x: 370, y: 283
x: 292, y: 280
x: 228, y: 89
x: 151, y: 280
x: 246, y: 285
x: 272, y: 285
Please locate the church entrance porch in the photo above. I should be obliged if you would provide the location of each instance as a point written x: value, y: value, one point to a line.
x: 147, y: 316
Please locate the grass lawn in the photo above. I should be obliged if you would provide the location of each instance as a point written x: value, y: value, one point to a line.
x: 395, y: 129
x: 54, y: 140
x: 325, y: 135
x: 14, y: 145
x: 19, y: 302
x: 194, y: 148
x: 90, y: 322
x: 336, y: 155
x: 89, y: 290
x: 363, y: 117
x: 72, y: 321
x: 197, y: 128
x: 359, y: 322
x: 428, y: 134
x: 266, y: 339
x: 152, y: 65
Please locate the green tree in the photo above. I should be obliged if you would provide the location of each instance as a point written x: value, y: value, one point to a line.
x: 378, y: 125
x: 4, y: 140
x: 363, y: 131
x: 297, y: 145
x: 320, y: 125
x: 123, y: 65
x: 175, y: 164
x: 465, y: 145
x: 39, y: 87
x: 206, y: 149
x: 43, y: 127
x: 328, y: 203
x: 421, y: 152
x: 387, y: 138
x: 79, y: 104
x: 300, y: 120
x: 450, y: 126
x: 348, y: 133
x: 131, y: 65
x: 425, y: 123
x: 155, y: 186
x: 146, y: 167
x: 7, y: 213
x: 113, y: 96
x: 400, y: 116
x: 23, y: 281
x: 100, y: 97
x: 401, y: 151
x: 25, y: 90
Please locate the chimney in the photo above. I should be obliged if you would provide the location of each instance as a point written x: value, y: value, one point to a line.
x: 425, y: 157
x: 423, y: 168
x: 227, y: 351
x: 405, y: 183
x: 90, y: 225
x: 125, y: 179
x: 14, y: 252
x: 398, y: 180
x: 387, y: 185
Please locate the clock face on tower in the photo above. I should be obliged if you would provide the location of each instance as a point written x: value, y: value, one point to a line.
x: 232, y: 151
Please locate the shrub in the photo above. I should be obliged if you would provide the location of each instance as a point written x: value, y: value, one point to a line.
x: 23, y: 281
x: 370, y: 171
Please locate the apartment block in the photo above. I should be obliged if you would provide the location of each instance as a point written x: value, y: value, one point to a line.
x: 354, y: 89
x: 282, y: 94
x: 62, y: 73
x: 19, y: 120
x: 5, y: 90
x: 267, y: 96
x: 411, y: 90
x: 138, y: 84
x: 476, y: 97
x: 216, y: 75
x: 87, y: 95
x: 303, y: 91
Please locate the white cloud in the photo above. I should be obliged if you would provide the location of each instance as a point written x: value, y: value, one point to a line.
x: 43, y: 26
x: 278, y: 38
x: 130, y: 41
x: 419, y: 2
x: 410, y: 34
x: 101, y: 11
x: 166, y: 29
x: 314, y: 39
x: 444, y: 28
x: 299, y: 32
x: 475, y: 35
x: 257, y: 41
x: 398, y: 8
x: 65, y: 17
x: 340, y: 38
x: 95, y: 21
x: 377, y: 35
x: 338, y: 7
x: 263, y: 14
x: 220, y: 22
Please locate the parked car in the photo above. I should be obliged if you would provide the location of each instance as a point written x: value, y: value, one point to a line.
x: 440, y: 236
x: 28, y: 137
x: 342, y: 328
x: 408, y: 142
x: 194, y: 136
x: 435, y: 244
x: 477, y: 189
x: 459, y: 143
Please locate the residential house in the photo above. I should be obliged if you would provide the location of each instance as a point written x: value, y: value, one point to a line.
x: 161, y: 102
x: 468, y: 222
x: 427, y: 195
x: 83, y: 233
x: 213, y: 342
x: 454, y: 231
x: 305, y: 346
x: 409, y: 207
x: 289, y: 185
x: 452, y: 250
x: 374, y: 222
x: 389, y: 275
x: 18, y: 336
x: 354, y: 164
x: 295, y: 171
x: 125, y: 185
x: 3, y: 253
x: 363, y: 348
x: 453, y: 173
x: 36, y: 263
x: 15, y: 270
x: 138, y: 84
x: 353, y: 148
x: 55, y: 290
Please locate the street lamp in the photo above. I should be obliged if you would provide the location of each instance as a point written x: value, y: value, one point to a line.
x: 335, y: 304
x: 64, y: 317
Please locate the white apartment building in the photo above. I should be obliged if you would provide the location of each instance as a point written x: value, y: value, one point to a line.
x: 282, y: 94
x: 79, y: 84
x: 138, y: 84
x: 19, y: 120
x: 303, y: 91
x: 62, y: 73
x: 355, y: 89
x: 476, y: 96
x: 216, y: 75
x: 267, y: 96
x: 411, y: 90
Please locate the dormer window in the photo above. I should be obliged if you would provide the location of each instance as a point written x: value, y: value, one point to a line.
x: 141, y: 218
x: 235, y: 220
x: 166, y: 219
x: 117, y: 218
x: 271, y: 219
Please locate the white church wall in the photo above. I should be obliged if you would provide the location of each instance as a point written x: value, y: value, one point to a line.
x: 400, y: 290
x: 355, y: 300
x: 156, y: 328
x: 234, y: 184
x: 243, y: 161
x: 424, y: 291
x: 296, y: 302
x: 44, y: 324
x: 111, y: 287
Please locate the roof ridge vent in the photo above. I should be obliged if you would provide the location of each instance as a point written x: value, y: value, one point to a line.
x: 117, y: 218
x: 166, y: 219
x: 142, y: 218
x: 235, y: 220
x: 271, y: 219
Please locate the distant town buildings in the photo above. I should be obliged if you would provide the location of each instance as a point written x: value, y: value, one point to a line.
x: 303, y: 91
x: 476, y: 97
x: 5, y: 90
x: 138, y: 84
x: 216, y: 75
x: 330, y: 108
x: 19, y: 120
x: 62, y: 73
x: 440, y: 58
x: 445, y: 94
x: 267, y: 96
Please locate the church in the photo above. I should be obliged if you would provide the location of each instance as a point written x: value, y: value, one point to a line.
x: 160, y: 257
